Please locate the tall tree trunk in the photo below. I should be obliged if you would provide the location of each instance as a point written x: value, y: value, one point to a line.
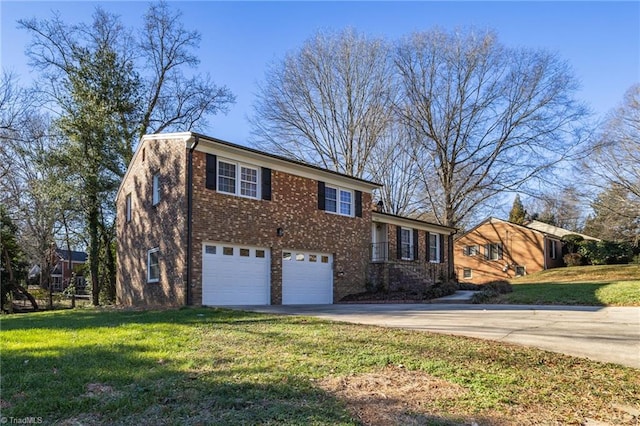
x: 110, y: 263
x: 94, y: 247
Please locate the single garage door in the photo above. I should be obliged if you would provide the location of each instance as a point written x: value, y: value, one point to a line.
x: 307, y: 278
x: 235, y: 275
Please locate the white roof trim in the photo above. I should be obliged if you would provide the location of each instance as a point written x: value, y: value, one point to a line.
x: 411, y: 223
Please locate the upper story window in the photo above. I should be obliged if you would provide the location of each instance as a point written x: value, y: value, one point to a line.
x: 128, y: 208
x: 237, y: 179
x: 471, y: 250
x: 338, y: 200
x: 156, y: 189
x: 434, y: 248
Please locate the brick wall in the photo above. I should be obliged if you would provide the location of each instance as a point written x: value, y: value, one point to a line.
x: 162, y: 225
x: 521, y: 246
x: 384, y: 275
x: 219, y: 217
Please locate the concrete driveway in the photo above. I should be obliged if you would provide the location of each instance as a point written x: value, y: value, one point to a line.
x: 601, y: 334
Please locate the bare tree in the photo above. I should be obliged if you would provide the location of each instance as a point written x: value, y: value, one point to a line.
x: 392, y: 164
x: 105, y: 93
x: 327, y: 103
x: 616, y: 156
x: 487, y: 118
x: 172, y: 100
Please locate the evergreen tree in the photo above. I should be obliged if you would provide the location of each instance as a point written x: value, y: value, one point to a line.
x: 517, y: 213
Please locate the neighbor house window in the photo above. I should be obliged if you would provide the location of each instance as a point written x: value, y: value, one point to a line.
x: 434, y: 248
x: 406, y: 243
x: 128, y: 208
x: 552, y: 249
x: 153, y: 267
x: 520, y: 271
x: 467, y: 274
x: 471, y: 250
x: 156, y: 189
x: 338, y: 200
x: 493, y: 251
x: 237, y: 179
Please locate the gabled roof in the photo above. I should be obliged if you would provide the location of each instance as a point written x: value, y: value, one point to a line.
x: 535, y: 226
x: 190, y: 139
x: 554, y: 230
x: 76, y: 256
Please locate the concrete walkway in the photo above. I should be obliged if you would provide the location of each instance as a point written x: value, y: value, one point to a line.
x: 610, y: 334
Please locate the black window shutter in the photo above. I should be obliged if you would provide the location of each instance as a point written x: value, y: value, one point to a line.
x: 499, y: 250
x: 266, y: 184
x: 321, y: 196
x: 211, y: 171
x: 487, y: 251
x: 415, y: 244
x: 399, y: 241
x: 358, y: 203
x: 441, y: 248
x: 428, y: 257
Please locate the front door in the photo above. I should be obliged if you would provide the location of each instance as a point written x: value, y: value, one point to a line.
x: 380, y: 244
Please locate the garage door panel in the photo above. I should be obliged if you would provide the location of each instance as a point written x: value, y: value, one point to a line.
x: 307, y: 278
x: 235, y: 275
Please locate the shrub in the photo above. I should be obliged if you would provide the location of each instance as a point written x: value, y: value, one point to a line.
x: 440, y: 290
x: 499, y: 286
x: 469, y: 286
x: 484, y: 296
x: 605, y: 252
x: 573, y: 259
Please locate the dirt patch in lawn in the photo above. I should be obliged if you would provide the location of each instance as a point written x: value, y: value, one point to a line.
x: 394, y: 396
x: 397, y: 396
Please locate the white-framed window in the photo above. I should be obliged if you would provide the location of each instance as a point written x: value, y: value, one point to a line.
x: 338, y: 200
x: 520, y: 271
x: 467, y: 274
x: 156, y: 189
x: 434, y: 248
x: 471, y: 250
x: 406, y: 243
x: 128, y: 208
x: 153, y: 265
x: 238, y: 179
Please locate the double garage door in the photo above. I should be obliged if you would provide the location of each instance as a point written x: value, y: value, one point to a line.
x: 241, y: 275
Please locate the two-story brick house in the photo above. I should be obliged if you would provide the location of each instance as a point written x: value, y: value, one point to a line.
x: 205, y: 221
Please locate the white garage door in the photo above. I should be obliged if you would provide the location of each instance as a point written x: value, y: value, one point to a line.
x: 235, y: 275
x: 307, y: 278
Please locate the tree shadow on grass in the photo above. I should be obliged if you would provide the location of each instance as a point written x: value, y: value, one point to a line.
x: 78, y: 319
x: 123, y: 384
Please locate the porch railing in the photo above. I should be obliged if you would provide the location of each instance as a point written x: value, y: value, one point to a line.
x: 379, y: 252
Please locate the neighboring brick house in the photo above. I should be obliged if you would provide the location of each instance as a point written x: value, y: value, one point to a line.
x: 204, y: 221
x: 64, y: 264
x: 497, y: 249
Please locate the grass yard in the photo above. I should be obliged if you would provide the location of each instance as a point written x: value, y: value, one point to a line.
x: 214, y: 366
x: 606, y: 285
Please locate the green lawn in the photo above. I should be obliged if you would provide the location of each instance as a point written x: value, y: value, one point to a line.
x: 213, y: 366
x: 608, y: 285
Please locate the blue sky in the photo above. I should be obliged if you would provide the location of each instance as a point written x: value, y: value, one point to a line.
x: 600, y: 40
